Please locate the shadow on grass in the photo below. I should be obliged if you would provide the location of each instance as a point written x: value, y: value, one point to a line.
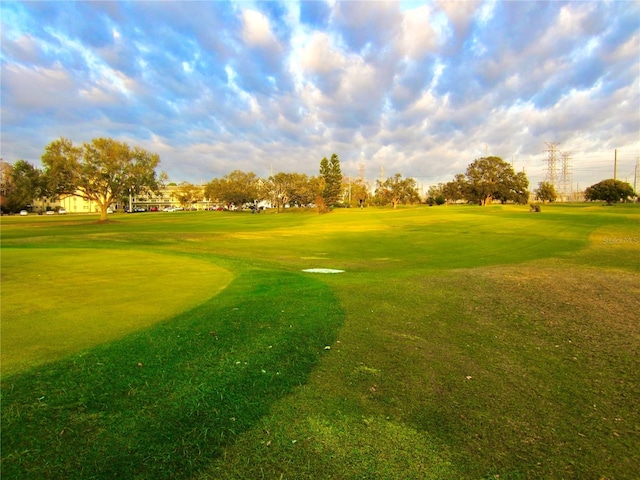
x: 163, y: 402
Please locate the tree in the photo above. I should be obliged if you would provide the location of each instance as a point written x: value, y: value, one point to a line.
x: 332, y: 176
x: 491, y: 178
x: 515, y: 189
x: 356, y: 192
x: 236, y: 188
x: 304, y: 190
x: 546, y: 192
x: 610, y: 191
x: 456, y: 189
x: 6, y: 183
x: 23, y: 186
x: 279, y: 188
x: 212, y: 190
x: 436, y: 195
x: 396, y: 190
x: 188, y: 194
x: 102, y: 171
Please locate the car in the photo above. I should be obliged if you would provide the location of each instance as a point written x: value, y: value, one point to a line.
x: 50, y: 212
x: 62, y: 211
x: 139, y: 209
x: 24, y: 212
x: 109, y: 210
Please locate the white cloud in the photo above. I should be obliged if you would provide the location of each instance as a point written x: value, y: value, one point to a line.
x: 419, y: 37
x: 421, y: 89
x: 319, y: 56
x: 256, y: 30
x: 39, y: 88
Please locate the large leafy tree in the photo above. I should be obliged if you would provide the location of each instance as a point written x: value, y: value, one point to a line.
x: 304, y: 190
x: 331, y: 175
x: 610, y: 191
x: 491, y: 178
x: 22, y: 185
x: 236, y: 188
x: 514, y: 188
x: 102, y: 171
x: 456, y: 189
x: 279, y: 188
x: 546, y: 192
x: 397, y: 190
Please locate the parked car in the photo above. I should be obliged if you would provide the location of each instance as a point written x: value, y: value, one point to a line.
x: 62, y: 211
x: 139, y: 209
x: 49, y: 212
x: 24, y: 212
x: 109, y: 210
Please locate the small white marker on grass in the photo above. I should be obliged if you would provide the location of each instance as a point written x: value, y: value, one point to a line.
x: 322, y: 270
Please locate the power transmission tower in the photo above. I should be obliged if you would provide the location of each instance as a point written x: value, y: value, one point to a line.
x: 551, y: 176
x: 565, y: 175
x: 361, y: 169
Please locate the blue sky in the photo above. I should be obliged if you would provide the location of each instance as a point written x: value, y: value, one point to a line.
x: 420, y: 88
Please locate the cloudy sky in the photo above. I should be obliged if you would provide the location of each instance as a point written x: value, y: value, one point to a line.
x: 419, y: 88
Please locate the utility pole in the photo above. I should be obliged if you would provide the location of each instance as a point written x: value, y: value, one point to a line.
x: 635, y: 176
x: 566, y: 174
x: 615, y: 164
x: 551, y: 176
x: 381, y: 173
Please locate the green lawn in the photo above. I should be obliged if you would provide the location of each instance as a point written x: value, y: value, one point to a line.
x: 461, y: 342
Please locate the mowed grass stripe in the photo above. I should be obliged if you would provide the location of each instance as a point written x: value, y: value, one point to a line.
x: 162, y: 402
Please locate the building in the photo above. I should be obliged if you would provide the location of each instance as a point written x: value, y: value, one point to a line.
x: 167, y: 197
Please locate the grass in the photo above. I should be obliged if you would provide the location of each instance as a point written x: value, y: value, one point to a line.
x: 463, y: 342
x: 62, y: 300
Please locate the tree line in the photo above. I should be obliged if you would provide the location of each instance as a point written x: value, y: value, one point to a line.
x: 107, y: 171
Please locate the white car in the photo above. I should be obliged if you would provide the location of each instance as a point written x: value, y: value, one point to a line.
x: 24, y: 212
x: 50, y: 212
x: 62, y: 211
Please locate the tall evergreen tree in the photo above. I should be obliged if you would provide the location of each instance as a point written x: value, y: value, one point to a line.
x: 332, y: 178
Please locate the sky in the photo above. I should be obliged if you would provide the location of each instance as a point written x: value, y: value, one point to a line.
x: 417, y: 88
